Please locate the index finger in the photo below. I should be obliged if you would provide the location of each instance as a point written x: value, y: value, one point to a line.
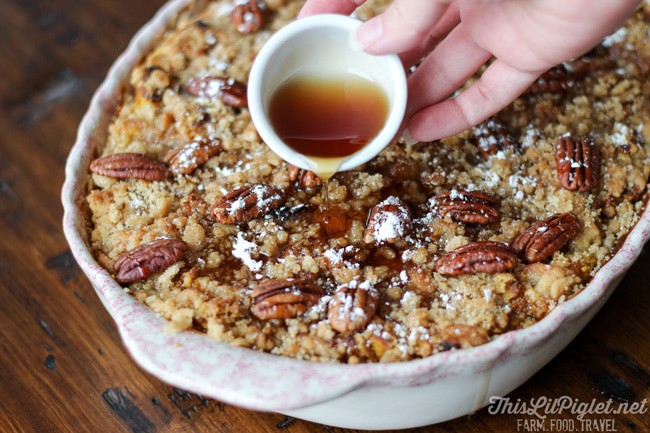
x: 342, y: 7
x: 402, y: 27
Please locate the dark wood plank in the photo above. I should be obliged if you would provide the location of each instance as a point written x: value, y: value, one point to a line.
x: 62, y: 365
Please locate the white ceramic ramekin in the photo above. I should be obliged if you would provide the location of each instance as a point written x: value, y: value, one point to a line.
x: 320, y: 46
x: 368, y: 396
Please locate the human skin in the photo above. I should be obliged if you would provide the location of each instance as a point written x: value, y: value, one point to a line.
x: 524, y: 37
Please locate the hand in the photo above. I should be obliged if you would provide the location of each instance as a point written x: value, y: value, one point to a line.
x: 525, y: 37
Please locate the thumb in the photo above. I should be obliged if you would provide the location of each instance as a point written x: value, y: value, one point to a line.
x: 403, y: 26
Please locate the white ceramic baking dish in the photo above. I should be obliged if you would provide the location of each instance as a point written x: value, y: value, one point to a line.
x: 367, y: 396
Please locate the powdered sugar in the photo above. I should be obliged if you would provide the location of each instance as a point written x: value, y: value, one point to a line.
x: 212, y: 88
x: 263, y: 194
x: 210, y: 38
x: 337, y: 256
x: 390, y: 221
x: 492, y: 179
x: 137, y: 204
x: 348, y: 310
x: 487, y: 294
x: 483, y: 133
x: 389, y: 227
x: 334, y: 256
x: 218, y: 64
x: 530, y: 137
x: 187, y: 157
x: 243, y: 249
x: 618, y: 36
x: 620, y: 137
x: 449, y: 301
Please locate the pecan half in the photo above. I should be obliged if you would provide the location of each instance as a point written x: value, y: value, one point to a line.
x: 230, y: 91
x: 539, y: 241
x: 284, y: 299
x: 352, y: 308
x: 388, y: 221
x: 249, y: 17
x: 130, y: 166
x: 400, y: 171
x: 490, y: 137
x: 247, y: 203
x: 304, y: 178
x: 186, y: 158
x: 147, y: 259
x: 578, y: 163
x: 469, y: 207
x: 555, y: 80
x: 484, y: 256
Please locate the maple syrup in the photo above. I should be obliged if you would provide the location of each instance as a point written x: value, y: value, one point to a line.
x: 335, y: 221
x: 327, y: 119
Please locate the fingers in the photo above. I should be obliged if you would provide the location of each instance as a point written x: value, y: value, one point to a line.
x: 453, y: 61
x: 450, y: 19
x: 343, y: 7
x: 499, y: 85
x: 586, y: 30
x: 402, y: 27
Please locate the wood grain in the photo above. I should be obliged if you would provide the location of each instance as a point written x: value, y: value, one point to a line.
x: 62, y: 365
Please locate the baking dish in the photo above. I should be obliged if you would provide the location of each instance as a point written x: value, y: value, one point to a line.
x: 369, y: 396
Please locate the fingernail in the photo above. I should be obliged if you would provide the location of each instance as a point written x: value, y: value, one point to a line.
x: 369, y: 32
x: 407, y: 138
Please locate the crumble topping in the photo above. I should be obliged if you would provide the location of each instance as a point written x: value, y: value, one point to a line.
x: 292, y: 279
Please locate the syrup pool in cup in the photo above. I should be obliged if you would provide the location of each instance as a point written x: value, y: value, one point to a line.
x: 327, y: 118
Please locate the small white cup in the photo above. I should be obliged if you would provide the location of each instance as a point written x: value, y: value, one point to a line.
x: 323, y: 45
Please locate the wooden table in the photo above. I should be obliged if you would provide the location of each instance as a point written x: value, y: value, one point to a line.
x: 62, y: 365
